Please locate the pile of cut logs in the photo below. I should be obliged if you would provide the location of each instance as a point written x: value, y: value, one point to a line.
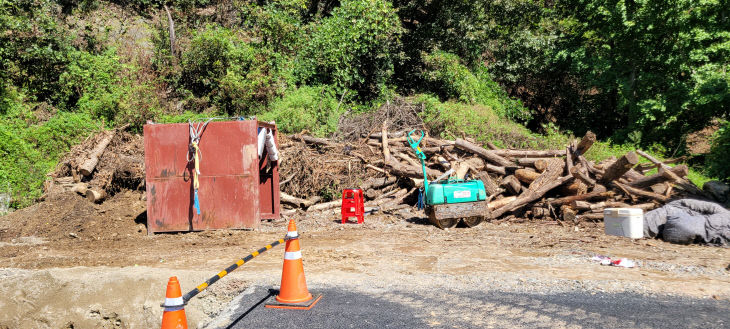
x: 551, y: 184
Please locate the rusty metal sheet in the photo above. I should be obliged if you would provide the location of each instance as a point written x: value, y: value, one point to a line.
x: 228, y: 193
x: 269, y: 181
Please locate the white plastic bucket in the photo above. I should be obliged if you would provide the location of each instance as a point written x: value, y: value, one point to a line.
x: 628, y: 222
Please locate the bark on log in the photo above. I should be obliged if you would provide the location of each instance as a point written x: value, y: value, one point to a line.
x: 511, y: 184
x: 484, y: 153
x: 489, y: 185
x: 540, y: 165
x: 547, y: 181
x: 325, y: 206
x: 298, y: 202
x: 526, y: 176
x: 680, y: 182
x: 620, y: 167
x: 581, y: 174
x: 80, y: 188
x: 495, y: 169
x: 96, y: 196
x: 408, y: 159
x: 379, y: 182
x: 530, y: 153
x: 569, y: 158
x: 87, y: 167
x: 386, y: 151
x: 399, y: 169
x: 312, y: 140
x: 585, y: 143
x: 642, y: 193
x: 501, y: 202
x: 588, y: 196
x: 568, y: 214
x: 575, y: 188
x: 658, y: 178
x: 598, y: 188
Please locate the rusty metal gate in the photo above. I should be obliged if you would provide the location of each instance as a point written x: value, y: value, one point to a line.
x: 236, y: 188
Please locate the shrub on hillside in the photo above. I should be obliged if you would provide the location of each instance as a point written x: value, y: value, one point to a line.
x: 354, y: 48
x: 236, y: 76
x: 446, y: 76
x: 307, y: 108
x: 719, y: 158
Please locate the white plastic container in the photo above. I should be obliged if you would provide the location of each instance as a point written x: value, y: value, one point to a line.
x: 628, y: 222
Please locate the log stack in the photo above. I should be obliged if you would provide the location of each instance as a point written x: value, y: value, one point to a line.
x: 559, y: 184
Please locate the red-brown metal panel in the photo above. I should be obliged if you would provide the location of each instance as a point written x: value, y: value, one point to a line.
x: 269, y: 180
x: 228, y: 192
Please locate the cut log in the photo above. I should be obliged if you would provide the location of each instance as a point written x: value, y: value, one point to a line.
x: 569, y: 158
x: 585, y: 143
x: 540, y: 165
x: 589, y: 166
x: 539, y: 212
x: 547, y: 181
x: 598, y: 188
x: 326, y: 205
x: 495, y: 169
x: 511, y: 184
x: 642, y: 193
x: 588, y: 196
x: 298, y: 202
x: 568, y: 214
x: 87, y: 167
x: 408, y: 159
x: 591, y: 216
x: 96, y: 196
x: 312, y: 140
x: 530, y: 153
x: 379, y: 182
x: 526, y: 176
x: 581, y: 174
x: 492, y: 146
x: 489, y: 185
x: 397, y: 200
x: 386, y: 151
x: 680, y: 182
x: 399, y: 169
x: 575, y: 188
x: 443, y: 163
x: 620, y: 167
x: 482, y: 152
x: 80, y: 188
x: 501, y: 202
x: 658, y: 178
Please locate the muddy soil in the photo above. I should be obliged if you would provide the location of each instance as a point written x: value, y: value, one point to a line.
x: 68, y: 263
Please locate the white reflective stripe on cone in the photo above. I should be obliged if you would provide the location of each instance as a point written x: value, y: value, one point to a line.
x: 290, y: 255
x: 174, y: 301
x: 292, y: 234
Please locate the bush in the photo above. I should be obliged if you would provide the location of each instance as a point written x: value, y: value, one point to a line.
x: 306, y: 108
x: 30, y: 151
x: 355, y: 48
x: 236, y: 76
x: 719, y: 157
x: 446, y: 76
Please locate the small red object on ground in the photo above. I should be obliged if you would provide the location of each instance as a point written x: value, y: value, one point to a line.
x: 353, y: 205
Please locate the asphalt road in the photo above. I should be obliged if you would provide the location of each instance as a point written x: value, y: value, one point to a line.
x: 340, y: 308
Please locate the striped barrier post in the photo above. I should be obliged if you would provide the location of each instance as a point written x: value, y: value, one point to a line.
x: 229, y: 269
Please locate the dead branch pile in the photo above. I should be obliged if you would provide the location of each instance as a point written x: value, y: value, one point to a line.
x: 551, y: 184
x: 105, y: 163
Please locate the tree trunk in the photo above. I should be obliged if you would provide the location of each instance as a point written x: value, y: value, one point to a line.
x: 620, y: 167
x: 87, y: 167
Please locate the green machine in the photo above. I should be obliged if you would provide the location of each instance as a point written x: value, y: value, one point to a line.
x: 449, y: 200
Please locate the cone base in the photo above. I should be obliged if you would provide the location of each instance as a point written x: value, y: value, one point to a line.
x: 273, y: 303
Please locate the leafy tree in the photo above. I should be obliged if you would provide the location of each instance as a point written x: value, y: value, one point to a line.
x: 355, y: 48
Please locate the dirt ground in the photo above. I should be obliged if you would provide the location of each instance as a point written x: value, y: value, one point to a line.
x: 68, y: 263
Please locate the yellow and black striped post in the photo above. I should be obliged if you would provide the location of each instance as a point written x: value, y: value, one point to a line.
x: 229, y: 269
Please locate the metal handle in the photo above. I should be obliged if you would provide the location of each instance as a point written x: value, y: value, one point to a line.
x: 413, y: 143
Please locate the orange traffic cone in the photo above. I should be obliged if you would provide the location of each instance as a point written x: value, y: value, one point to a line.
x: 173, y: 317
x: 293, y: 293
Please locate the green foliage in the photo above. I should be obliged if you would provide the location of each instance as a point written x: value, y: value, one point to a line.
x: 647, y: 66
x: 236, y: 76
x: 33, y: 48
x: 106, y: 89
x: 307, y: 108
x: 355, y: 48
x: 448, y: 78
x: 30, y: 149
x: 719, y: 158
